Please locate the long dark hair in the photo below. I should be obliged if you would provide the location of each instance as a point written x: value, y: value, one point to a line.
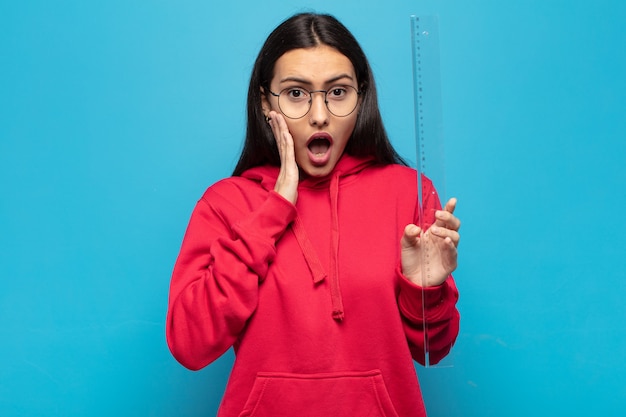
x: 307, y: 30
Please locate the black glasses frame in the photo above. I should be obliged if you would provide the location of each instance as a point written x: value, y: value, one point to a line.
x: 311, y: 92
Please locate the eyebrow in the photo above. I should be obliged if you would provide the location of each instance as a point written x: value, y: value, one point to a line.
x: 303, y: 81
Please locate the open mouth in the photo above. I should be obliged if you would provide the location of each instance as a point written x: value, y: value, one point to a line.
x: 319, y: 146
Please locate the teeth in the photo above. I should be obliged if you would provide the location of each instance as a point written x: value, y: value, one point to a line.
x: 319, y: 146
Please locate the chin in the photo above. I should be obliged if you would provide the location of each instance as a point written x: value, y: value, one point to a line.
x: 314, y: 171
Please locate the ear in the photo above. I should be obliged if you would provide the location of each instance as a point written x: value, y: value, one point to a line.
x: 265, y: 103
x: 360, y: 100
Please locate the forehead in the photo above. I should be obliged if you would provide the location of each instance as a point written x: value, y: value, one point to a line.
x: 319, y: 64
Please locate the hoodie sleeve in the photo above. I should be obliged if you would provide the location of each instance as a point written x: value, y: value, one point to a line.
x: 429, y: 315
x: 215, y: 283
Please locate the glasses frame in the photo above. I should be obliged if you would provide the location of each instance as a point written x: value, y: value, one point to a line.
x: 311, y: 92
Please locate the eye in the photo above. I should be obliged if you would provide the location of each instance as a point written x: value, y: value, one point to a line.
x: 337, y: 93
x: 296, y: 94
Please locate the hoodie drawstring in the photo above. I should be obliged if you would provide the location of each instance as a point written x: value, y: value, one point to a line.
x: 347, y: 166
x: 313, y: 262
x: 335, y: 290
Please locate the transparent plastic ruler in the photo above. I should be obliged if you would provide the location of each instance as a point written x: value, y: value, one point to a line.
x: 429, y: 137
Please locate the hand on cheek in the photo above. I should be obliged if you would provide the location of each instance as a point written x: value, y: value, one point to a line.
x: 288, y: 176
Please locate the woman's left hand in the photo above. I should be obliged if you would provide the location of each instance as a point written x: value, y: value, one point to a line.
x: 437, y: 247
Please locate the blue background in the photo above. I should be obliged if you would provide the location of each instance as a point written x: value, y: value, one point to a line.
x: 116, y: 115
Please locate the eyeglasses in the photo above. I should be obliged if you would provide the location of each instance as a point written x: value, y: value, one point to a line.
x: 295, y: 102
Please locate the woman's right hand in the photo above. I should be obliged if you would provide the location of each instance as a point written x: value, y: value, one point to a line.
x: 288, y: 177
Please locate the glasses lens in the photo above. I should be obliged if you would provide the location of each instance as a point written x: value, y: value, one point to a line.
x: 294, y: 102
x: 340, y: 100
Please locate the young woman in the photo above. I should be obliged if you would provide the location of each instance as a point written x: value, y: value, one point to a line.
x: 308, y: 259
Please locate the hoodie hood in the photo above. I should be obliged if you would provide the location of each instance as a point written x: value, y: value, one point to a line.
x: 346, y: 166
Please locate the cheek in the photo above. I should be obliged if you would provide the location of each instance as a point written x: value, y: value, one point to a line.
x: 349, y: 128
x: 296, y: 130
x: 299, y: 135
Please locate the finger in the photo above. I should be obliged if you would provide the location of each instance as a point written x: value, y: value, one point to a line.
x: 279, y: 122
x: 273, y: 122
x: 288, y: 175
x: 412, y: 230
x: 452, y: 244
x: 451, y: 255
x: 445, y: 217
x: 276, y: 123
x: 447, y: 220
x: 450, y: 205
x: 283, y: 138
x: 447, y: 234
x: 410, y: 236
x: 289, y: 152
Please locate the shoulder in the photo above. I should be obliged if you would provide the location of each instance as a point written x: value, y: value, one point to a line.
x: 404, y: 174
x: 392, y: 174
x: 396, y: 178
x: 402, y: 170
x: 230, y: 186
x: 394, y: 168
x: 236, y: 192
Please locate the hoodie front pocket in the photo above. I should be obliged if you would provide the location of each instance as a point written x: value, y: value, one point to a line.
x: 346, y: 394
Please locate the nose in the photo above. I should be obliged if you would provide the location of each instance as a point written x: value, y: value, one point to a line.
x: 318, y: 114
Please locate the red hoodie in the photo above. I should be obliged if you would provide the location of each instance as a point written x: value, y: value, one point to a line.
x: 310, y: 296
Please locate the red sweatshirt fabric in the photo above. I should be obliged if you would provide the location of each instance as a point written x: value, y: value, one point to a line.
x: 310, y: 296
